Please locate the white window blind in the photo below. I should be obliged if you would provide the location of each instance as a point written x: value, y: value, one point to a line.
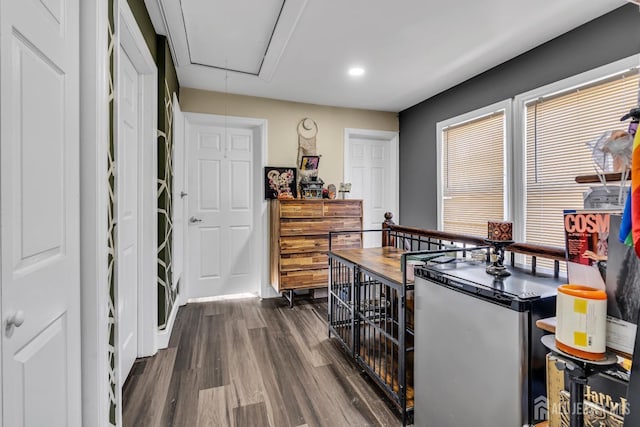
x: 473, y: 174
x: 557, y: 129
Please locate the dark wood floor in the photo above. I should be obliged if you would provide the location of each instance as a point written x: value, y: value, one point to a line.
x: 252, y: 363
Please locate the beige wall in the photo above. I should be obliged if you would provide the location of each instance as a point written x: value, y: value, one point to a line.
x: 283, y: 118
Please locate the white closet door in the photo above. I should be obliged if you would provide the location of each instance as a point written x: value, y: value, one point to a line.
x: 39, y: 218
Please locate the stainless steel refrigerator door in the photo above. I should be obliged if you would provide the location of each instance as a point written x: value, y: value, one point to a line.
x: 470, y: 360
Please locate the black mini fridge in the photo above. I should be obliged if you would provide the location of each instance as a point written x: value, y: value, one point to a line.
x: 478, y: 356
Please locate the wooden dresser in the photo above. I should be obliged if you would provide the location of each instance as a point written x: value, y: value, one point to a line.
x: 300, y: 240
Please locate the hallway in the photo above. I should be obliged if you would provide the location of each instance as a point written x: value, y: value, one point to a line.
x: 252, y: 363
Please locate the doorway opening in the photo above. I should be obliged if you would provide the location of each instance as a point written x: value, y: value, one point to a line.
x: 226, y: 213
x: 371, y: 166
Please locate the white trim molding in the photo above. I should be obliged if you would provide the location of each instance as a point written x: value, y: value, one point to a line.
x: 164, y: 335
x: 287, y: 22
x: 94, y: 146
x: 129, y: 37
x: 179, y: 186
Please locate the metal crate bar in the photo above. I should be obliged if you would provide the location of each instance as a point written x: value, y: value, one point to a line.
x: 381, y: 337
x: 341, y: 302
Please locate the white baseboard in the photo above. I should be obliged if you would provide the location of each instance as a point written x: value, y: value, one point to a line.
x: 268, y: 292
x: 165, y: 334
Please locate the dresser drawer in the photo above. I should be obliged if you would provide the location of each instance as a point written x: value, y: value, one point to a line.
x: 301, y: 209
x: 343, y: 208
x: 305, y: 244
x: 313, y: 260
x: 292, y: 227
x: 304, y: 279
x: 295, y: 244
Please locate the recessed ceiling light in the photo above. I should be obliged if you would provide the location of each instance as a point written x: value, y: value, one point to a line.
x: 356, y: 71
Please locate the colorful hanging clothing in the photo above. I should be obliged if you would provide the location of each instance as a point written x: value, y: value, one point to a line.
x: 635, y: 193
x: 625, y: 235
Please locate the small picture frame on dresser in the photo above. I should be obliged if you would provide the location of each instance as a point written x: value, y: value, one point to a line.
x: 309, y: 163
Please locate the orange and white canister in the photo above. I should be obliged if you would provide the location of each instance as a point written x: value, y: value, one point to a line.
x: 581, y: 314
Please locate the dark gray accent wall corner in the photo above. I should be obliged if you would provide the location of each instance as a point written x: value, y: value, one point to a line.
x: 606, y: 39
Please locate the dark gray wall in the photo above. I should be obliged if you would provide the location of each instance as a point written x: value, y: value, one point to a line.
x: 611, y: 37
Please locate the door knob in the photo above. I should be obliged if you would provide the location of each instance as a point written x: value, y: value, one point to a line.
x: 193, y: 220
x: 183, y: 194
x: 16, y: 319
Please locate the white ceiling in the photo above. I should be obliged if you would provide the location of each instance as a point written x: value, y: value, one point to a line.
x: 300, y: 50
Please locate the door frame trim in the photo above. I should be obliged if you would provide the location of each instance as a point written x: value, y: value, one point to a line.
x: 393, y: 139
x: 129, y: 37
x: 260, y: 213
x: 181, y: 299
x: 94, y: 196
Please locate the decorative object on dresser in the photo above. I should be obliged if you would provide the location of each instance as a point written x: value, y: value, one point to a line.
x: 331, y: 189
x: 345, y: 187
x: 300, y: 240
x: 280, y: 183
x: 311, y: 188
x: 310, y: 163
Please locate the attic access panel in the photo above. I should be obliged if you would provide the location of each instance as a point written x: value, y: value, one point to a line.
x: 230, y: 34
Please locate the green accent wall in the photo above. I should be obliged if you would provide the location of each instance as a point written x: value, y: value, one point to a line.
x: 171, y: 76
x: 167, y: 86
x: 139, y: 11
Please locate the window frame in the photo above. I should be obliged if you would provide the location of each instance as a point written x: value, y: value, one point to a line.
x: 518, y: 178
x: 506, y: 106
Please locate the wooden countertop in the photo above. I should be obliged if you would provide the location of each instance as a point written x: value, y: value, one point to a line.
x: 383, y: 261
x: 549, y: 324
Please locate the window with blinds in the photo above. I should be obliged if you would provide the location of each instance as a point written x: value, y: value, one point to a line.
x: 473, y: 170
x: 557, y: 129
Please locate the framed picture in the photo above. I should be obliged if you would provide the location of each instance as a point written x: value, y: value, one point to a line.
x: 280, y: 183
x: 309, y: 163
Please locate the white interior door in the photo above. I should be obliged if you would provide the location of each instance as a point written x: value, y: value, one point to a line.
x: 222, y: 241
x: 39, y: 219
x: 371, y: 172
x: 127, y: 199
x: 179, y: 194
